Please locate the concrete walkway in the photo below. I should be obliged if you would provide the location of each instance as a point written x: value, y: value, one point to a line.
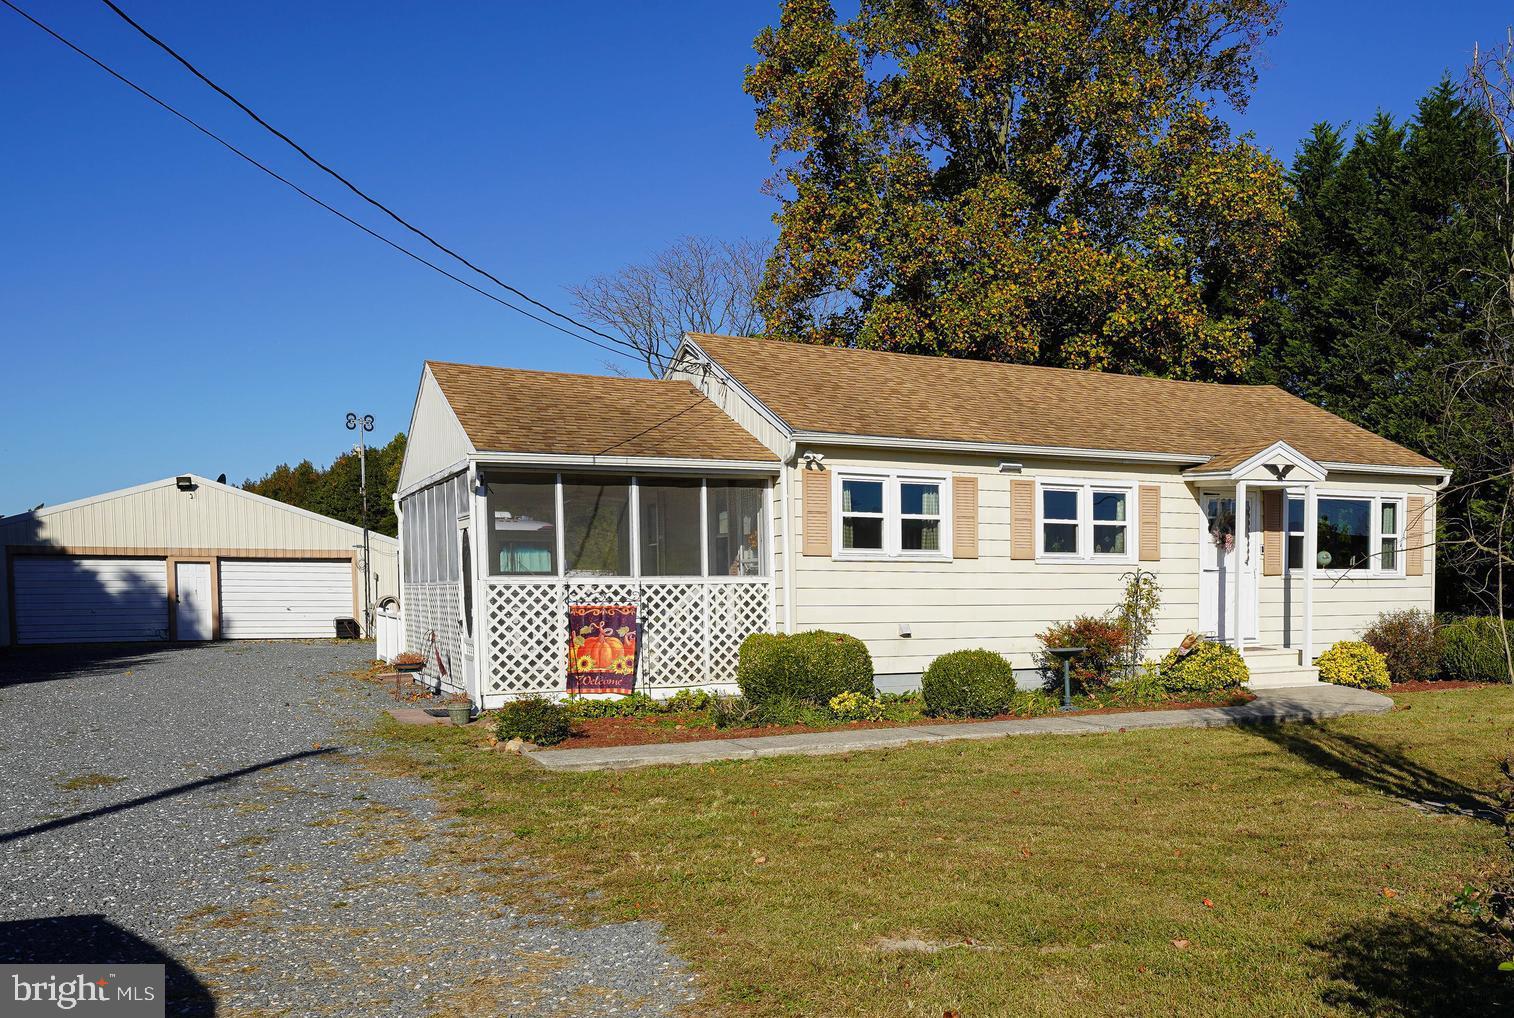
x: 1300, y: 703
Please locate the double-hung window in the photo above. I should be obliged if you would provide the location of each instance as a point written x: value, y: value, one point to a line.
x: 891, y: 516
x: 1085, y: 521
x: 1354, y: 534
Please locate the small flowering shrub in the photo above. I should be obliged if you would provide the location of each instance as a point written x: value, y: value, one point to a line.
x: 850, y: 706
x: 1106, y: 642
x: 1355, y: 664
x: 1208, y: 669
x: 968, y: 684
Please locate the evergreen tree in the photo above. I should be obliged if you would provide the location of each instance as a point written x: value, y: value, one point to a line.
x: 336, y: 491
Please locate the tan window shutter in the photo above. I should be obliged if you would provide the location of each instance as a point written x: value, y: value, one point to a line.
x: 1151, y: 523
x: 1415, y: 543
x: 1273, y: 541
x: 964, y: 516
x: 1022, y: 518
x: 817, y: 512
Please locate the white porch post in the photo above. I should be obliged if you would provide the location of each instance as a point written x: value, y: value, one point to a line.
x: 1237, y: 627
x: 481, y: 528
x: 1311, y: 553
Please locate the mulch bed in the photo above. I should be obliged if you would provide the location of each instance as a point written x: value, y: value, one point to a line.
x: 1436, y: 685
x: 603, y: 732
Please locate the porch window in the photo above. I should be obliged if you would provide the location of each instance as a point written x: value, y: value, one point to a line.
x: 737, y: 536
x: 596, y: 514
x: 1295, y: 524
x: 1390, y: 533
x: 522, y: 535
x: 1345, y: 533
x: 670, y: 528
x: 862, y: 515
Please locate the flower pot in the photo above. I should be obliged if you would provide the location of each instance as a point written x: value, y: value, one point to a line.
x: 460, y: 713
x: 409, y: 667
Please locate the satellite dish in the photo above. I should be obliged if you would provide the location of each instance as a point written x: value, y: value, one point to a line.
x: 221, y: 479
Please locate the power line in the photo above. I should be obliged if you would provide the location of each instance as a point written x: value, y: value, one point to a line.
x: 291, y: 184
x: 349, y: 184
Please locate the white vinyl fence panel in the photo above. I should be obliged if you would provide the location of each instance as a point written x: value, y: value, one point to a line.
x: 274, y: 599
x: 68, y: 599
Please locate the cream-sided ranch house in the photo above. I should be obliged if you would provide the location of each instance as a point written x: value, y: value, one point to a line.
x: 921, y: 504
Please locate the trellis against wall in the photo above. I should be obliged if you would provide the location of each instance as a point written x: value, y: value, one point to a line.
x: 428, y: 608
x: 691, y: 630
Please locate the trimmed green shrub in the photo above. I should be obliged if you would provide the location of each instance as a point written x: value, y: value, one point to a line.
x: 1410, y: 641
x: 1355, y: 664
x: 1471, y: 649
x: 968, y: 684
x: 811, y: 666
x: 535, y: 720
x: 1096, y: 667
x: 1209, y: 669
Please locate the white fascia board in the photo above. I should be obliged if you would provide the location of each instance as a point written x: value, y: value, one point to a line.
x: 1377, y: 468
x: 1313, y: 471
x: 990, y: 448
x: 432, y: 478
x: 765, y: 411
x: 660, y: 463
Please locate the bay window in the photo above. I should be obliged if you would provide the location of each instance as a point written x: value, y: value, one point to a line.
x: 1085, y: 521
x: 588, y: 526
x: 888, y: 515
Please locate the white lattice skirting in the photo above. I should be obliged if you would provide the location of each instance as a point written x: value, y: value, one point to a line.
x: 428, y: 608
x: 690, y: 631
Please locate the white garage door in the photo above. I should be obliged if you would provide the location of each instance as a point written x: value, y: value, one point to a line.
x: 276, y: 599
x: 67, y: 599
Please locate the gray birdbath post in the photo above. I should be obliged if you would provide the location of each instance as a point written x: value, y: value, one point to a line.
x: 1065, y: 655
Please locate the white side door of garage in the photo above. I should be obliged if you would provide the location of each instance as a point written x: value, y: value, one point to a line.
x: 282, y: 599
x: 72, y: 599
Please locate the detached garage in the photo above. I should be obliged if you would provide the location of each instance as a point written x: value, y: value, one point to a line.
x: 183, y: 558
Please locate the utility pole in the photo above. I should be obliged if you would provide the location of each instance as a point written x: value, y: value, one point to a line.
x: 362, y: 425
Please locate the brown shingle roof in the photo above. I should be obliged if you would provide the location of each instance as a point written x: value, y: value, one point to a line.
x: 876, y: 393
x: 508, y: 410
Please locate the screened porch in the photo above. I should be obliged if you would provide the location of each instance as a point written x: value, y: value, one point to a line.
x: 693, y: 554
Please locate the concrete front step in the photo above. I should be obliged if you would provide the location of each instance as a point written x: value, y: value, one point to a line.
x: 1282, y: 678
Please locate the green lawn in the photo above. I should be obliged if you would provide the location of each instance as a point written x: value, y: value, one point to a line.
x: 1065, y: 867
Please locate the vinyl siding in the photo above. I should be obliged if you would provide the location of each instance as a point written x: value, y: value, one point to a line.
x: 993, y: 601
x: 436, y: 439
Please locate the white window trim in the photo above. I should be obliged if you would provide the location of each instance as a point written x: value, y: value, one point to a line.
x: 1375, y: 542
x: 1085, y: 488
x: 892, y: 550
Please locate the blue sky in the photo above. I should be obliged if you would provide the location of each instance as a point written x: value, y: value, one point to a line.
x: 165, y: 308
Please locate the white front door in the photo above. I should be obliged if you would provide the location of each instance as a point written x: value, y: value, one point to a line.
x: 1221, y: 570
x: 191, y: 608
x: 469, y: 677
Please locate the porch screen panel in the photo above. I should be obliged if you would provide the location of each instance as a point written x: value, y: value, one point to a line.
x: 596, y: 526
x: 737, y: 528
x: 522, y: 528
x: 670, y: 525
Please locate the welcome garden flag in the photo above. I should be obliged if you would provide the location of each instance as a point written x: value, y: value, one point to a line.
x: 602, y: 641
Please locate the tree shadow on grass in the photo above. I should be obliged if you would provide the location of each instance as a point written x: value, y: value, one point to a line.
x: 1379, y: 768
x: 1399, y: 966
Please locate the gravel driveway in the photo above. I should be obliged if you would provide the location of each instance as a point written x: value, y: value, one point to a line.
x: 197, y: 806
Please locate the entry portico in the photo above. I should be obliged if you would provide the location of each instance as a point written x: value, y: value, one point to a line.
x: 1244, y: 473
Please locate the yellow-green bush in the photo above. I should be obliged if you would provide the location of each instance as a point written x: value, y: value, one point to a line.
x: 1209, y: 669
x: 1355, y: 664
